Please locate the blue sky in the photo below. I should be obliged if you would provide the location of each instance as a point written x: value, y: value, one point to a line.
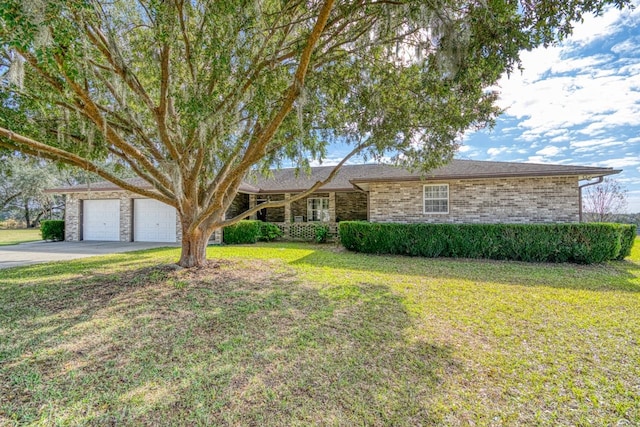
x: 575, y: 103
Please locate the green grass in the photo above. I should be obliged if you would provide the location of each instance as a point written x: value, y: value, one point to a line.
x: 13, y: 237
x: 296, y: 334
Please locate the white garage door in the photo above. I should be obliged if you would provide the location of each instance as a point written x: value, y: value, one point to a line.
x: 153, y: 221
x: 101, y: 220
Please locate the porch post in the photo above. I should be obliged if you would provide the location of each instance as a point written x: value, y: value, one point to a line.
x: 252, y: 204
x: 332, y: 207
x: 287, y: 209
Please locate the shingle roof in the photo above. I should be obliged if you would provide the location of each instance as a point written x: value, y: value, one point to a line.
x: 292, y: 180
x: 139, y: 182
x: 289, y: 180
x: 475, y: 169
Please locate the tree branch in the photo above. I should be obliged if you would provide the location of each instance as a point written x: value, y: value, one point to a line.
x: 130, y: 121
x: 29, y: 146
x: 7, y: 200
x: 92, y: 111
x: 185, y: 39
x: 256, y: 148
x: 99, y: 40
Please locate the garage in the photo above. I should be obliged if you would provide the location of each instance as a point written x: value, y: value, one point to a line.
x: 153, y: 221
x: 101, y: 220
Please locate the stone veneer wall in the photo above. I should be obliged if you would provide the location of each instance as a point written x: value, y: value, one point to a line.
x: 240, y: 204
x: 508, y: 200
x: 72, y: 214
x: 351, y: 206
x: 72, y: 218
x: 274, y: 214
x: 343, y: 206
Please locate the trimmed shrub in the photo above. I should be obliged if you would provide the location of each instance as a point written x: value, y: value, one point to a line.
x: 52, y: 229
x: 321, y: 233
x: 269, y: 232
x: 629, y: 232
x: 580, y: 243
x: 242, y: 232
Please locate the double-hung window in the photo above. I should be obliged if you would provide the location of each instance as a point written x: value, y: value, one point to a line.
x: 436, y: 199
x: 318, y: 209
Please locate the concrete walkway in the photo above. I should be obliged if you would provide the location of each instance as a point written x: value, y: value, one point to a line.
x: 39, y: 252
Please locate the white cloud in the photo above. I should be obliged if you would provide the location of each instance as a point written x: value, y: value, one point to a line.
x: 628, y: 46
x: 565, y: 161
x: 510, y: 129
x: 494, y: 151
x: 556, y: 132
x: 595, y: 143
x: 562, y: 102
x: 529, y: 136
x: 561, y: 138
x: 621, y: 162
x: 535, y: 159
x: 577, y: 102
x: 465, y: 149
x: 632, y: 181
x: 559, y: 90
x: 580, y: 64
x: 599, y: 27
x: 549, y: 151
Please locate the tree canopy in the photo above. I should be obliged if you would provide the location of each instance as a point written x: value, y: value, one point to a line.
x: 22, y: 184
x: 194, y: 95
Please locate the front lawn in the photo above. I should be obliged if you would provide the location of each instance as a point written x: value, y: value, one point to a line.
x: 13, y: 237
x: 296, y: 334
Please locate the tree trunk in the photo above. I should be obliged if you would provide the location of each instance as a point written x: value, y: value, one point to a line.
x: 36, y: 220
x: 27, y: 216
x: 194, y: 248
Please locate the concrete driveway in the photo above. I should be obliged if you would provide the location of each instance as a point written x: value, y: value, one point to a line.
x: 38, y: 252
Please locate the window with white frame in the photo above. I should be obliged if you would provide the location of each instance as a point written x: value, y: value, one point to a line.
x: 436, y: 198
x: 318, y: 209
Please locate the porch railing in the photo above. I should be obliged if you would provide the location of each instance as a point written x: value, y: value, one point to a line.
x: 305, y: 230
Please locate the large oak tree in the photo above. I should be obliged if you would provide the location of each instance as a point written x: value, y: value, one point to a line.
x: 195, y: 95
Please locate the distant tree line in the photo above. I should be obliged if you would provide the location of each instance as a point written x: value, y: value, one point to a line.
x: 630, y: 218
x: 23, y: 184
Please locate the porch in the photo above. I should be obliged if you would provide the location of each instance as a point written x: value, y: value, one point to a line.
x: 298, y: 220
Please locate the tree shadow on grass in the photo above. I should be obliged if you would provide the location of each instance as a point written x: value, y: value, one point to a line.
x: 87, y: 265
x: 244, y: 343
x: 613, y: 276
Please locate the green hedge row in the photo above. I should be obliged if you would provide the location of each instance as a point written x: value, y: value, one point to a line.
x: 250, y: 231
x: 580, y: 243
x: 52, y: 229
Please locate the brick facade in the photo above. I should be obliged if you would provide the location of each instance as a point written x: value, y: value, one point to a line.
x: 508, y: 200
x: 505, y: 200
